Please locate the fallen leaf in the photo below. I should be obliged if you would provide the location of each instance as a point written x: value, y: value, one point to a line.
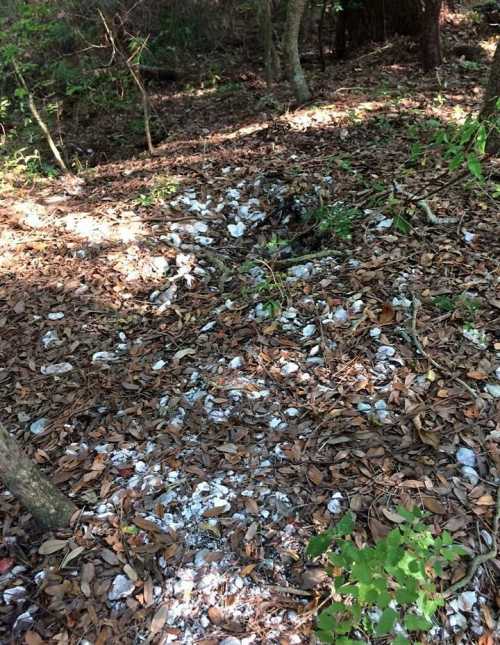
x: 387, y: 314
x: 159, y: 619
x: 6, y: 564
x: 32, y: 638
x: 433, y: 505
x: 215, y: 615
x: 315, y: 475
x: 52, y: 546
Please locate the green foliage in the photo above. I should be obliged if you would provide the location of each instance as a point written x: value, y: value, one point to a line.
x: 463, y: 302
x: 336, y: 218
x: 384, y: 590
x: 461, y: 145
x: 163, y: 188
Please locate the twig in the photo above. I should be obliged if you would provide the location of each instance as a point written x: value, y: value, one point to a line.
x: 482, y: 557
x: 134, y: 72
x: 421, y: 203
x: 433, y: 362
x: 310, y: 256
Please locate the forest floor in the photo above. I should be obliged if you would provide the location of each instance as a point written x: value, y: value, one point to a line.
x: 211, y: 403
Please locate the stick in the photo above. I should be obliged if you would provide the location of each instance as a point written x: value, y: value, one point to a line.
x: 146, y: 107
x: 38, y: 118
x: 433, y: 362
x: 310, y: 256
x: 482, y: 557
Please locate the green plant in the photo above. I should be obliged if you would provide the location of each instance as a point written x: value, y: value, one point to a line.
x: 388, y: 589
x: 466, y: 303
x: 164, y: 187
x: 275, y: 244
x: 337, y: 218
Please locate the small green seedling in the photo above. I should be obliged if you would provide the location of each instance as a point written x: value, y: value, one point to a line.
x: 385, y: 590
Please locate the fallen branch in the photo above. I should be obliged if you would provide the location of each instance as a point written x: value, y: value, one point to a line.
x: 418, y: 345
x: 482, y: 558
x: 38, y: 118
x: 286, y: 262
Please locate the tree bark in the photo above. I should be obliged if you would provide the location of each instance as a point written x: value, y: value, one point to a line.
x: 431, y: 38
x: 490, y: 110
x: 267, y: 37
x: 295, y: 10
x: 22, y: 477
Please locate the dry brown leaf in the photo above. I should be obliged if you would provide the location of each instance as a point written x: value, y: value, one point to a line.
x: 378, y: 529
x: 315, y: 475
x: 433, y: 505
x: 485, y: 500
x: 429, y: 438
x: 159, y: 619
x: 215, y: 615
x: 32, y: 638
x: 477, y: 375
x: 387, y: 314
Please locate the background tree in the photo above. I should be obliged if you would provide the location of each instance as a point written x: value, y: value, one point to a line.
x: 490, y: 108
x: 431, y: 38
x: 22, y: 477
x: 295, y: 11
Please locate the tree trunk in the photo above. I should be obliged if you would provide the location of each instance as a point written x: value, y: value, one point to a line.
x: 50, y: 508
x: 490, y: 109
x: 267, y: 37
x: 295, y: 10
x: 430, y: 38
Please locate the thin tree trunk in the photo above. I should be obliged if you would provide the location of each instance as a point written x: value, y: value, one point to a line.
x: 38, y: 118
x: 267, y: 37
x: 295, y: 10
x: 321, y: 26
x: 341, y: 31
x: 491, y: 110
x: 22, y: 477
x: 431, y: 38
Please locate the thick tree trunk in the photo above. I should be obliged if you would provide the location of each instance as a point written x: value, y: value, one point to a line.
x: 430, y: 38
x: 50, y: 508
x: 491, y: 98
x: 295, y: 10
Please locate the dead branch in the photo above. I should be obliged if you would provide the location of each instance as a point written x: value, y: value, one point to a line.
x: 39, y: 119
x: 135, y: 73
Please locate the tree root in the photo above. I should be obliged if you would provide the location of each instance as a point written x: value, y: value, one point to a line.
x: 482, y: 558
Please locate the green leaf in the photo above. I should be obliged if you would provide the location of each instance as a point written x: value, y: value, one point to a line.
x: 319, y: 544
x: 414, y: 623
x: 401, y: 224
x: 325, y: 637
x: 386, y: 622
x: 406, y: 596
x: 326, y: 622
x: 401, y: 640
x: 345, y: 526
x: 474, y: 166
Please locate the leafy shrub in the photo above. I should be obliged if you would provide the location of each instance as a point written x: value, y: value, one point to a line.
x: 385, y: 589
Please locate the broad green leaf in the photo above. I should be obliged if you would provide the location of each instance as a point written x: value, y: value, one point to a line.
x: 401, y: 640
x: 414, y: 623
x: 474, y: 166
x: 325, y: 637
x: 319, y: 544
x: 345, y: 526
x: 406, y: 596
x: 386, y: 622
x: 401, y: 224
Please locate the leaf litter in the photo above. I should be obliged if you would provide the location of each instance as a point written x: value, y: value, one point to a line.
x: 208, y: 420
